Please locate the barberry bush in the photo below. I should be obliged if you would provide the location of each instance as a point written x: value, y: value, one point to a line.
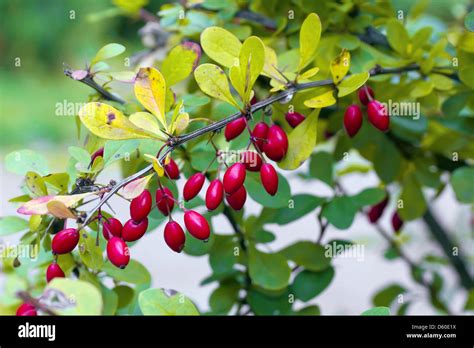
x: 227, y: 102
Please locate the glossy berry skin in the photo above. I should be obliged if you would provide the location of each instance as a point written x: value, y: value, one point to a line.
x: 260, y: 132
x: 363, y: 94
x: 193, y: 186
x: 397, y: 222
x: 133, y: 231
x: 377, y: 115
x: 237, y: 199
x: 234, y: 178
x: 27, y: 310
x: 214, y: 194
x: 252, y: 161
x: 376, y: 211
x: 118, y: 252
x: 140, y: 206
x: 172, y: 170
x: 235, y: 128
x: 352, y: 120
x: 276, y: 145
x: 197, y: 225
x: 294, y: 118
x: 269, y: 178
x: 112, y: 227
x: 164, y: 200
x: 54, y: 271
x: 65, y: 241
x: 174, y: 236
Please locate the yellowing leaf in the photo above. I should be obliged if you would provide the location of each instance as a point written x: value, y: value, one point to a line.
x: 271, y: 64
x: 397, y: 36
x: 220, y: 45
x: 39, y: 206
x: 308, y: 74
x: 352, y: 83
x: 252, y: 60
x: 135, y: 188
x: 180, y: 63
x: 36, y: 184
x: 108, y: 51
x: 150, y: 90
x: 156, y: 165
x: 321, y: 101
x: 182, y: 122
x: 146, y: 121
x: 213, y: 81
x: 340, y: 66
x: 310, y: 35
x: 236, y: 79
x: 59, y: 210
x: 109, y: 123
x: 301, y: 142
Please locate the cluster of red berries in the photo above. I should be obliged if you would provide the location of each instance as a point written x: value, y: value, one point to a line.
x: 376, y: 211
x: 376, y: 113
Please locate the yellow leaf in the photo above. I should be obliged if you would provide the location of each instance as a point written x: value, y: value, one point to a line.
x: 35, y: 222
x: 109, y: 123
x: 135, y: 188
x: 182, y: 122
x: 39, y: 206
x: 150, y: 90
x: 236, y: 79
x: 180, y: 63
x: 352, y: 83
x: 308, y: 74
x: 321, y: 101
x: 156, y: 165
x: 271, y: 64
x: 340, y: 66
x: 220, y: 45
x: 251, y: 61
x: 310, y: 35
x: 36, y: 184
x: 213, y: 81
x: 146, y: 121
x: 301, y: 142
x: 59, y: 210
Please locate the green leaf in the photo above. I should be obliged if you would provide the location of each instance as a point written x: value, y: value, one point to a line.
x: 299, y: 206
x: 251, y: 62
x: 179, y: 63
x: 108, y: 51
x: 115, y: 150
x: 321, y: 167
x: 157, y: 302
x: 267, y: 304
x: 125, y: 295
x: 23, y: 161
x: 307, y: 254
x: 220, y: 45
x: 80, y: 155
x: 310, y: 35
x: 82, y: 298
x: 270, y: 271
x: 387, y: 295
x: 397, y: 36
x: 259, y: 195
x: 377, y: 311
x: 308, y: 285
x: 90, y: 253
x: 469, y: 306
x: 352, y: 83
x: 368, y: 197
x: 134, y: 273
x: 221, y: 256
x: 224, y: 297
x: 340, y: 212
x: 110, y: 300
x: 301, y: 142
x: 462, y: 180
x: 414, y: 203
x: 213, y: 81
x: 309, y: 310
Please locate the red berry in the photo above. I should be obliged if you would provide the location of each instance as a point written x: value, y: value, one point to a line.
x: 364, y: 99
x: 193, y: 186
x: 237, y: 199
x: 174, y: 236
x: 65, y: 241
x: 234, y: 178
x: 260, y: 132
x: 235, y: 128
x: 197, y: 225
x: 164, y: 200
x: 26, y: 309
x: 254, y: 100
x: 118, y: 252
x: 140, y: 206
x: 172, y: 170
x: 112, y: 227
x: 133, y: 231
x: 54, y: 271
x: 294, y: 118
x: 277, y: 143
x: 376, y: 211
x: 377, y: 115
x: 251, y: 160
x: 397, y: 222
x: 352, y: 120
x: 269, y: 178
x: 214, y: 194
